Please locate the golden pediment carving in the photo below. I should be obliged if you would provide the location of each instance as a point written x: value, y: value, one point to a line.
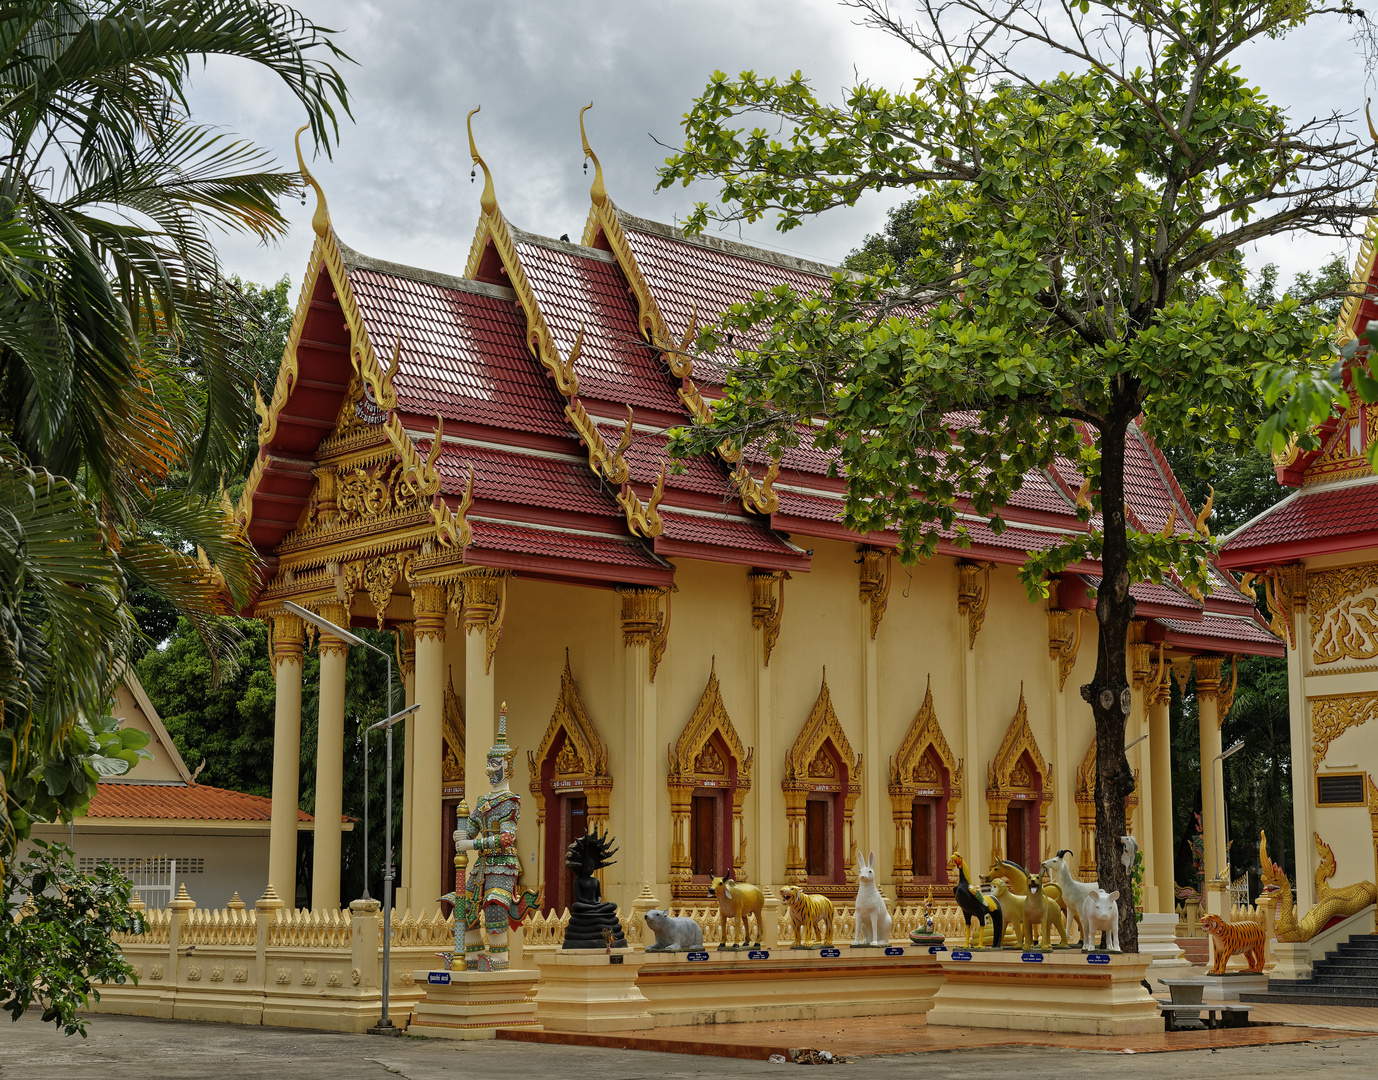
x: 710, y: 762
x: 1333, y: 715
x: 821, y: 727
x: 452, y: 765
x: 709, y: 718
x: 822, y: 767
x: 1085, y: 794
x: 1006, y: 767
x: 924, y: 742
x: 582, y: 752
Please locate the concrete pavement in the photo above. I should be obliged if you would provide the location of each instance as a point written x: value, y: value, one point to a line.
x: 132, y: 1048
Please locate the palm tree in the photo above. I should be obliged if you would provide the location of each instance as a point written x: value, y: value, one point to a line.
x: 122, y: 393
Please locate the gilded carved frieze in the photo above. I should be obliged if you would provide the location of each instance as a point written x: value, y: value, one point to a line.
x: 1333, y: 715
x: 874, y: 582
x: 1343, y: 612
x: 1286, y: 590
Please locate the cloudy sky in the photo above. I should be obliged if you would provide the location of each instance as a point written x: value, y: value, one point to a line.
x: 399, y: 187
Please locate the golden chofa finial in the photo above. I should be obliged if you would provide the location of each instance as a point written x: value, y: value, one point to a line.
x: 320, y: 220
x: 489, y: 199
x: 597, y: 191
x: 1369, y: 116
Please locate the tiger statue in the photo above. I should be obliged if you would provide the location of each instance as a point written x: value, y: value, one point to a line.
x: 810, y: 913
x: 1234, y: 938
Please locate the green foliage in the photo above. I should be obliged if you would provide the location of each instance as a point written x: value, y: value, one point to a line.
x: 1100, y: 216
x: 55, y: 935
x: 1136, y: 882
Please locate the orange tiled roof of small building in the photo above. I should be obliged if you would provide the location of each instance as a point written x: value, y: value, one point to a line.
x: 182, y: 802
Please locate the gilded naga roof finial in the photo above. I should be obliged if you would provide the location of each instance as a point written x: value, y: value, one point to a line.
x: 320, y: 220
x: 597, y: 191
x: 489, y: 199
x: 1369, y: 116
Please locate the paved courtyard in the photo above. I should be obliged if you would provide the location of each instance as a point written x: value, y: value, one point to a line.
x: 131, y: 1048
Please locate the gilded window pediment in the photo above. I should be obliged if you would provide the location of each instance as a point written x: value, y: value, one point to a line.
x: 1008, y: 772
x: 922, y: 750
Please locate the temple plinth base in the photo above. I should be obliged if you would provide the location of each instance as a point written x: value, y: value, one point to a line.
x: 473, y: 1004
x: 591, y: 990
x: 1229, y: 986
x: 1091, y: 993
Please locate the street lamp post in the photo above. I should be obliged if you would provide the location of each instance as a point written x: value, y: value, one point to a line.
x: 1215, y: 807
x: 385, y: 1025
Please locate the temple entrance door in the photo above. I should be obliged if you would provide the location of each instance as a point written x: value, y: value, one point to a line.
x: 449, y: 822
x: 573, y: 824
x: 705, y: 836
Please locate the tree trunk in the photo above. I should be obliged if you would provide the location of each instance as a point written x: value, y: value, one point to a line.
x: 1108, y: 693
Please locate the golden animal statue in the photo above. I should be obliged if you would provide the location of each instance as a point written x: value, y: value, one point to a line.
x: 1018, y: 887
x: 1333, y: 903
x: 810, y: 914
x: 739, y: 902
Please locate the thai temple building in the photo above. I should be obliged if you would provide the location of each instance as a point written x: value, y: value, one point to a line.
x: 705, y: 661
x: 1316, y: 555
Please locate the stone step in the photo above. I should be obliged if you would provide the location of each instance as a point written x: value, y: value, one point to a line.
x: 1196, y: 949
x: 1295, y: 997
x: 1346, y: 968
x: 1283, y: 986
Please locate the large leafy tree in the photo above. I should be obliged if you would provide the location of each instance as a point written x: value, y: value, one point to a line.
x: 1099, y: 215
x: 124, y: 389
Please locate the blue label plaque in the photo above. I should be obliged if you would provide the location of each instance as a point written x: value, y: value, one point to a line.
x: 438, y: 978
x: 697, y: 956
x: 961, y: 954
x: 933, y: 950
x: 758, y: 954
x: 891, y: 950
x: 829, y: 953
x: 1032, y: 957
x: 1098, y: 958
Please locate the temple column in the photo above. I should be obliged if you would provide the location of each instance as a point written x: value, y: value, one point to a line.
x: 286, y: 631
x: 325, y: 863
x: 642, y: 628
x: 1161, y: 859
x: 973, y: 593
x: 873, y: 786
x: 485, y: 597
x: 1214, y: 848
x: 767, y: 779
x: 423, y: 823
x: 406, y: 661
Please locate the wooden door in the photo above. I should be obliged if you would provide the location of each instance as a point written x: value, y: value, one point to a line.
x: 703, y: 835
x: 1017, y: 834
x: 573, y: 824
x: 921, y: 839
x: 816, y: 832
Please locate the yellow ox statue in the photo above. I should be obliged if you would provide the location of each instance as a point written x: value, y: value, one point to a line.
x: 811, y: 915
x: 737, y: 901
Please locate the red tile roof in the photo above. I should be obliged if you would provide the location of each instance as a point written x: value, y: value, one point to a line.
x: 523, y: 479
x: 601, y: 548
x: 464, y: 352
x: 179, y: 802
x: 589, y: 292
x: 1312, y: 521
x: 1224, y: 633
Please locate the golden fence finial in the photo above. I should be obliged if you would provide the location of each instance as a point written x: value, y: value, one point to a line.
x: 489, y: 199
x: 320, y: 220
x: 597, y: 192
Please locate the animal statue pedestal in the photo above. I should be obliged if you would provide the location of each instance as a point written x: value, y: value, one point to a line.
x: 591, y: 991
x: 1229, y: 986
x: 1096, y: 994
x: 474, y: 1004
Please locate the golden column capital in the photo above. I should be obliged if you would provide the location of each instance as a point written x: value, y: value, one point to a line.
x: 485, y: 606
x: 338, y: 613
x: 644, y: 623
x: 973, y: 594
x: 1207, y: 675
x: 286, y: 631
x: 429, y: 604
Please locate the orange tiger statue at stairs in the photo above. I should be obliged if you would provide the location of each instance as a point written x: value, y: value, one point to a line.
x: 1231, y: 939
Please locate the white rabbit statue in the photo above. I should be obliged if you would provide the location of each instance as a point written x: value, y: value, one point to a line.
x: 872, y: 916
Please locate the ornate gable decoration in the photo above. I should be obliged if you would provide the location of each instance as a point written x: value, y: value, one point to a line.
x: 1004, y: 774
x: 923, y: 741
x: 710, y: 716
x: 1086, y: 780
x: 584, y: 754
x: 452, y: 765
x: 822, y: 726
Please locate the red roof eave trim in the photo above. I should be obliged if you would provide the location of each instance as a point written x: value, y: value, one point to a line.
x: 1266, y: 555
x: 1175, y: 639
x: 766, y: 560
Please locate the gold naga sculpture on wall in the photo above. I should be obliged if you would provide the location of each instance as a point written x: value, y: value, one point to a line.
x: 1333, y: 903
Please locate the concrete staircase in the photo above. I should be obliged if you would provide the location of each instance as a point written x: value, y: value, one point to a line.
x: 1348, y: 976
